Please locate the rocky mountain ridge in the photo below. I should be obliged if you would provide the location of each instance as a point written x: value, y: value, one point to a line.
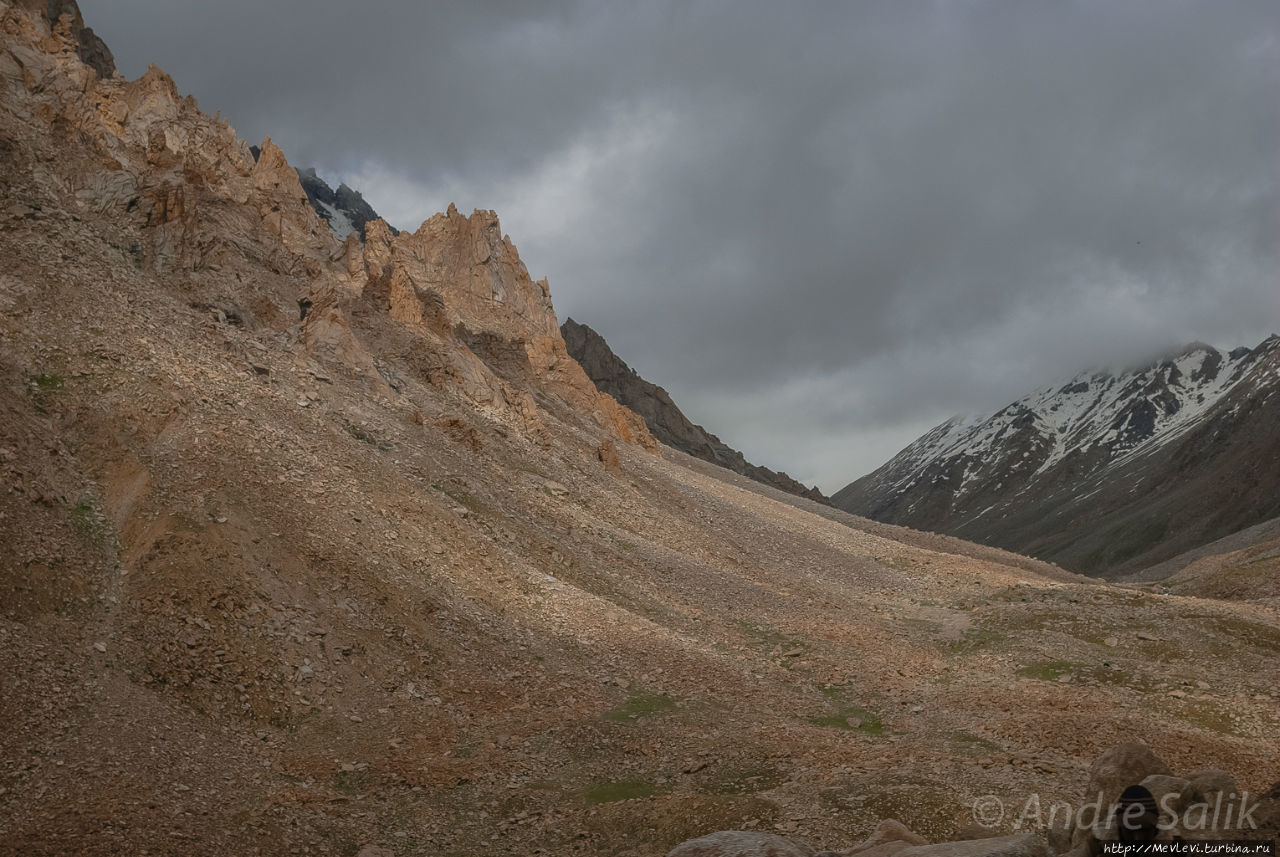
x: 199, y: 202
x: 1068, y: 473
x: 344, y: 209
x: 665, y: 420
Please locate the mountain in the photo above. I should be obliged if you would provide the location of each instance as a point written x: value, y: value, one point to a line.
x: 312, y: 546
x: 344, y: 209
x: 612, y: 375
x: 1105, y: 474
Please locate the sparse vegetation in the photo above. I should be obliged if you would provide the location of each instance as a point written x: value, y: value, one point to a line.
x: 87, y: 520
x: 1207, y: 716
x: 616, y: 790
x: 306, y: 645
x: 973, y: 743
x: 621, y: 544
x: 851, y: 717
x: 1048, y: 670
x: 640, y: 704
x: 48, y: 382
x: 976, y: 637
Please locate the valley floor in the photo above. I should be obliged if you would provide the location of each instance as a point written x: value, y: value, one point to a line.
x: 251, y: 606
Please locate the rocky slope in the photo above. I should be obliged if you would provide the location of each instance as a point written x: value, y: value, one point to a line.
x: 1244, y: 565
x: 1105, y: 474
x: 308, y: 546
x: 668, y: 424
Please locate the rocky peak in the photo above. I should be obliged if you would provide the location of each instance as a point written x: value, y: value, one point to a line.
x: 92, y: 50
x: 196, y: 201
x: 344, y: 209
x: 478, y: 272
x: 460, y: 278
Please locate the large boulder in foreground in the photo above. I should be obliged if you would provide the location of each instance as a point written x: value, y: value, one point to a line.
x: 889, y: 837
x: 1018, y: 845
x: 741, y: 843
x: 1115, y: 770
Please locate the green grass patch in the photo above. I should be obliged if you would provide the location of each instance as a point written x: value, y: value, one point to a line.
x: 832, y: 721
x: 976, y: 638
x: 850, y: 713
x: 1206, y: 716
x: 859, y: 719
x: 1048, y: 670
x: 640, y: 704
x: 1085, y: 673
x: 763, y: 637
x: 84, y: 516
x: 88, y: 521
x: 1249, y: 633
x: 48, y: 382
x: 616, y: 790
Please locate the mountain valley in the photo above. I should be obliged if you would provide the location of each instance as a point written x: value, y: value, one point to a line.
x: 1106, y: 474
x: 329, y: 545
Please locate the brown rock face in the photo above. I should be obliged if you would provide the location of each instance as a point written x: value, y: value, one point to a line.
x: 608, y: 455
x: 459, y: 279
x: 92, y: 50
x: 194, y: 200
x: 469, y: 262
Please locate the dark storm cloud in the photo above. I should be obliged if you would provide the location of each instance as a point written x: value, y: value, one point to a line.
x: 823, y: 227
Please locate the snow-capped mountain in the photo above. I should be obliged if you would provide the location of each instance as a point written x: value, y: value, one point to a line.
x: 1047, y: 473
x: 344, y: 209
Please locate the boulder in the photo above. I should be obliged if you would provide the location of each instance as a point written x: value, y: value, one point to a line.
x: 890, y: 831
x: 1205, y: 786
x: 1115, y: 770
x: 1167, y: 792
x: 1210, y: 801
x: 1018, y: 845
x: 1267, y: 815
x: 607, y: 453
x: 976, y: 831
x: 741, y: 843
x: 884, y: 849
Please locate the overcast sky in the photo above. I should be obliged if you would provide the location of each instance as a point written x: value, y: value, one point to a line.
x: 823, y: 227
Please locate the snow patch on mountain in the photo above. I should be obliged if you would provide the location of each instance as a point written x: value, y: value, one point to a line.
x: 1112, y: 415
